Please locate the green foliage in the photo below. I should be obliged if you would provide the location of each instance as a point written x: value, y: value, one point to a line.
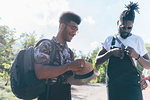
x: 5, y: 71
x: 102, y: 69
x: 6, y: 66
x: 7, y: 41
x: 93, y: 55
x: 27, y: 40
x: 8, y: 47
x: 6, y: 44
x: 85, y: 57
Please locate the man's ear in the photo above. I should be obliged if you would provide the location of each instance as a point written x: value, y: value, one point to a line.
x: 62, y: 26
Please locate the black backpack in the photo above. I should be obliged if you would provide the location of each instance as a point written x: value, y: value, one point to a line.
x: 24, y: 83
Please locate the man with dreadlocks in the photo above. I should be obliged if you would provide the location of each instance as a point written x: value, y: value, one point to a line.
x: 123, y: 51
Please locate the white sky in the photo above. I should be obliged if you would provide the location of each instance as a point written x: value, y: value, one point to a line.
x: 99, y: 19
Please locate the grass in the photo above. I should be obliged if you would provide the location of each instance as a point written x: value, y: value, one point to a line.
x: 5, y: 92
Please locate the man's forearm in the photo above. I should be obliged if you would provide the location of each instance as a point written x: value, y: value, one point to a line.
x: 102, y: 58
x: 45, y: 71
x: 145, y: 63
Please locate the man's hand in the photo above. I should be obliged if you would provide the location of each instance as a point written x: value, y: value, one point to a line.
x: 131, y: 52
x: 76, y: 65
x: 117, y: 52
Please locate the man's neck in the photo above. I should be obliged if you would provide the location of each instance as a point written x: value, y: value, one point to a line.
x: 126, y: 37
x: 59, y: 39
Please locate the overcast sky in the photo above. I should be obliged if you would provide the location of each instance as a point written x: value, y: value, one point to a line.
x: 99, y: 19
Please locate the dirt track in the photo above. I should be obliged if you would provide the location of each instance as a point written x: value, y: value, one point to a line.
x: 97, y: 92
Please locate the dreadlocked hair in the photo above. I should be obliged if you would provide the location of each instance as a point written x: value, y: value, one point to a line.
x: 129, y: 14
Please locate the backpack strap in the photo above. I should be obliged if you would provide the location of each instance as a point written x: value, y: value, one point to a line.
x: 40, y: 42
x: 53, y: 53
x: 52, y: 58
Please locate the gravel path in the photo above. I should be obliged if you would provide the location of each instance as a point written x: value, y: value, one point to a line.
x: 89, y: 92
x: 98, y: 92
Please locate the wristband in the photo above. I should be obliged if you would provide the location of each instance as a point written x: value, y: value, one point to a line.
x: 138, y: 57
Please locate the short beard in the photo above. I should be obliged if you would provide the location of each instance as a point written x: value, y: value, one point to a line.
x: 64, y: 32
x: 124, y: 37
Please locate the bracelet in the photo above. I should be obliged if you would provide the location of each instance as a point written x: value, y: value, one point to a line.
x: 138, y: 57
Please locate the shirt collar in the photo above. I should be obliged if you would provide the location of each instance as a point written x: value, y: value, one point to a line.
x: 58, y: 43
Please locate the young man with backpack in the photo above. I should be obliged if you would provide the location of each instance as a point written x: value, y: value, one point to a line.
x: 57, y: 71
x: 123, y: 51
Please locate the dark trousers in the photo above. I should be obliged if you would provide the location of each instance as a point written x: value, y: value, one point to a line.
x: 58, y: 92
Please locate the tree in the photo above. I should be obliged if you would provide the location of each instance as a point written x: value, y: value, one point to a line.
x: 102, y: 68
x: 27, y: 40
x: 7, y: 41
x: 83, y: 56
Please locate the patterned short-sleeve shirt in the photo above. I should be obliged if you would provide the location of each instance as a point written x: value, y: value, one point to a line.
x: 43, y: 52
